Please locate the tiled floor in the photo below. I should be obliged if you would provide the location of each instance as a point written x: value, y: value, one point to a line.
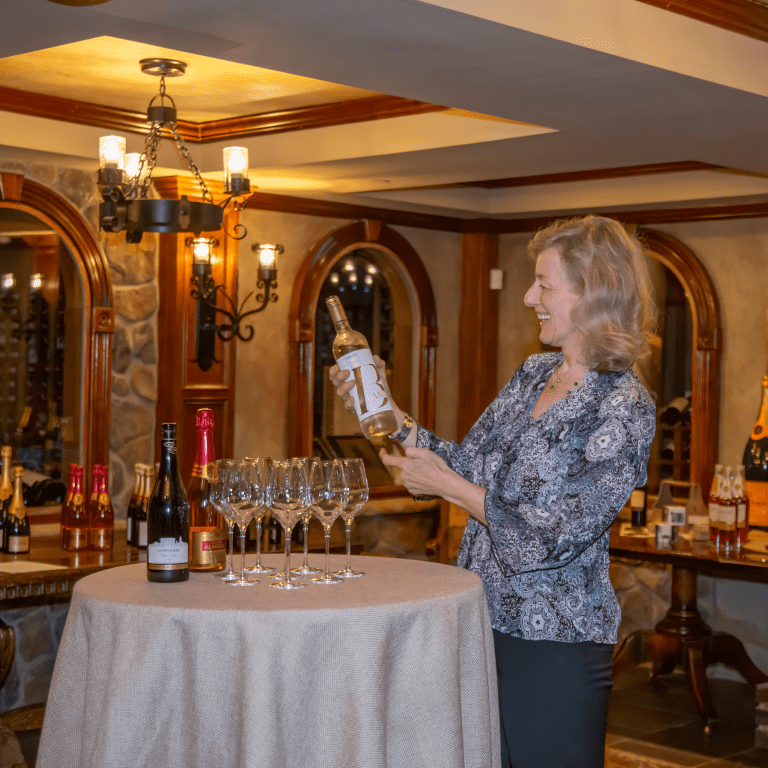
x: 654, y: 724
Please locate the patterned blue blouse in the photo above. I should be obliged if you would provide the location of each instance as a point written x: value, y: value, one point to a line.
x: 554, y: 486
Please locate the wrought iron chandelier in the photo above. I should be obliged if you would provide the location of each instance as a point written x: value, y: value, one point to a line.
x: 125, y: 179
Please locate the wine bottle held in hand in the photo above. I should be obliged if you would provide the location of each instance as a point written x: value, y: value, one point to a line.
x: 352, y: 353
x: 168, y: 518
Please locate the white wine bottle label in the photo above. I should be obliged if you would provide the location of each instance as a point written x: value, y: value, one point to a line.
x: 741, y: 514
x: 368, y: 393
x: 714, y: 513
x: 142, y: 533
x: 727, y: 516
x: 168, y: 552
x: 18, y: 544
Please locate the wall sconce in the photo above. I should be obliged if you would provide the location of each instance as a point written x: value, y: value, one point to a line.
x: 206, y: 293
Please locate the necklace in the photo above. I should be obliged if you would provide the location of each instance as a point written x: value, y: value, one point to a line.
x: 576, y: 384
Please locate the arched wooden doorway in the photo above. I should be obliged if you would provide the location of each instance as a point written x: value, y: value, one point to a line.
x: 306, y: 290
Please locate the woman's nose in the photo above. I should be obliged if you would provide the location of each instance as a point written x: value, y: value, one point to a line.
x: 531, y: 298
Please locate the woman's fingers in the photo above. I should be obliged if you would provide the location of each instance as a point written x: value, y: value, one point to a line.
x: 343, y: 387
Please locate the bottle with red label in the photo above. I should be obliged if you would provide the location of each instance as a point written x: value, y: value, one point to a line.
x: 102, y: 516
x: 207, y: 531
x: 74, y: 513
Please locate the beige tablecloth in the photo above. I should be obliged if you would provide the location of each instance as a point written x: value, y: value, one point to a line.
x: 394, y: 669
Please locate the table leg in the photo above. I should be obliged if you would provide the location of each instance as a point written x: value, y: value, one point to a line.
x: 696, y: 673
x: 729, y: 650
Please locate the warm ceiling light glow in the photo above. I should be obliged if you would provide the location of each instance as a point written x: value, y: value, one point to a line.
x: 372, y: 269
x: 132, y: 163
x: 201, y: 250
x: 369, y: 279
x: 8, y: 281
x: 352, y: 278
x: 349, y: 266
x: 235, y: 169
x: 112, y: 152
x: 36, y: 281
x: 268, y: 255
x: 334, y: 278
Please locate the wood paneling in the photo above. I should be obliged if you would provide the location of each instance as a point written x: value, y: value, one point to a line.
x: 98, y: 320
x: 301, y: 328
x: 281, y: 121
x: 705, y: 375
x: 182, y: 386
x: 478, y: 329
x: 747, y: 17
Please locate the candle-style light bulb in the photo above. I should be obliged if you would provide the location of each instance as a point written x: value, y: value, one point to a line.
x: 112, y: 152
x: 236, y: 169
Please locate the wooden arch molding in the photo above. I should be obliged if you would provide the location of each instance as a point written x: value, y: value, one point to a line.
x: 301, y: 333
x: 705, y: 376
x: 99, y: 322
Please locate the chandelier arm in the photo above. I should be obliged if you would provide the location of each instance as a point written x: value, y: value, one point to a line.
x: 207, y: 196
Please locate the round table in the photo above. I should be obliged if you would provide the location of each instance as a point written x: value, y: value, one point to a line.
x: 395, y: 668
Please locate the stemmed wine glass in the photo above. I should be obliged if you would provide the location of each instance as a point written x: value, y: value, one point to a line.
x: 218, y: 498
x: 328, y: 495
x: 357, y: 483
x: 306, y: 516
x: 287, y: 498
x: 237, y: 492
x: 257, y: 476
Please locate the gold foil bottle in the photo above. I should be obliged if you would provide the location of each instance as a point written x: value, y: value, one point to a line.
x: 17, y: 525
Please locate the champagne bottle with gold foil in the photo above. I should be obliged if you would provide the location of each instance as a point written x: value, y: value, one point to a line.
x: 352, y: 353
x: 207, y: 532
x: 139, y: 539
x: 130, y: 514
x: 74, y: 515
x: 6, y: 492
x: 756, y: 466
x: 102, y: 516
x: 17, y: 525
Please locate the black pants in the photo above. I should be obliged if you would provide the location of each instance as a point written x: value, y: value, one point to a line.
x: 553, y: 702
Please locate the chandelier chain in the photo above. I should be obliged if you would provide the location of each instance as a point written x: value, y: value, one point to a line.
x: 207, y: 196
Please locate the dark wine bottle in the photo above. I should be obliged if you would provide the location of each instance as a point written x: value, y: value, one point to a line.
x: 168, y: 518
x: 139, y: 536
x: 6, y: 492
x: 756, y: 466
x: 130, y: 514
x: 673, y: 413
x: 17, y: 525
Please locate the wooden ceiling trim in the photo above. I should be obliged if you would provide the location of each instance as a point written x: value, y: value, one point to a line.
x: 747, y: 17
x: 280, y: 121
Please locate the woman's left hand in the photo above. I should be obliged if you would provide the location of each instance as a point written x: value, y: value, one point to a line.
x: 423, y: 473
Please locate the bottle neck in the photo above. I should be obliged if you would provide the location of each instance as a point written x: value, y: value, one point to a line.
x: 17, y: 505
x: 168, y: 462
x: 759, y: 430
x: 6, y: 483
x: 204, y: 454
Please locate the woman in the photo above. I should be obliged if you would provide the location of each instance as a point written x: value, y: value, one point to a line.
x: 543, y: 474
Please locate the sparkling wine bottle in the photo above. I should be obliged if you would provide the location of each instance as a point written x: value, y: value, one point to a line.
x: 139, y: 539
x: 168, y: 518
x: 74, y: 515
x: 728, y: 512
x: 756, y: 466
x: 207, y: 530
x: 17, y: 526
x: 713, y: 505
x: 102, y: 518
x: 6, y: 492
x: 352, y: 353
x: 130, y: 515
x: 742, y: 505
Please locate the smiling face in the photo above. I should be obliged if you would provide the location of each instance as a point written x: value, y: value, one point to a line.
x: 553, y: 299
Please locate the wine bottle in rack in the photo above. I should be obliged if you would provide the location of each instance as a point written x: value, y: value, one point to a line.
x: 6, y: 492
x: 352, y: 353
x: 207, y: 531
x: 102, y: 520
x: 756, y: 466
x: 17, y: 525
x: 168, y: 518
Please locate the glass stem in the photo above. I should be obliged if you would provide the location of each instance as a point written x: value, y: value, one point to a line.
x: 231, y: 546
x: 348, y: 526
x: 288, y: 555
x: 327, y: 552
x: 241, y: 528
x: 258, y: 543
x: 306, y: 543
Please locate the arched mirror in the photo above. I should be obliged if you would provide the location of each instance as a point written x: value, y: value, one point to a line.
x: 387, y: 296
x: 685, y: 363
x: 56, y: 323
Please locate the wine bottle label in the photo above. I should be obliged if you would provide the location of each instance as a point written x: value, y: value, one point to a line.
x: 75, y: 538
x: 102, y: 538
x: 203, y: 470
x: 727, y: 517
x: 142, y: 533
x: 208, y: 548
x: 168, y: 552
x: 757, y: 493
x: 714, y: 513
x: 741, y: 514
x: 368, y: 393
x: 18, y: 544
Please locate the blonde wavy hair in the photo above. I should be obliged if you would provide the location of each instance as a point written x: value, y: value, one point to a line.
x: 607, y: 267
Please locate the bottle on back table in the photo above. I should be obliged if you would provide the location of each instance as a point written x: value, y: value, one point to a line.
x: 130, y: 514
x: 713, y: 505
x: 352, y: 353
x: 102, y: 516
x: 17, y: 525
x: 168, y: 518
x: 6, y: 492
x: 207, y: 531
x: 74, y: 515
x: 742, y: 506
x: 756, y: 466
x: 727, y: 519
x: 139, y: 539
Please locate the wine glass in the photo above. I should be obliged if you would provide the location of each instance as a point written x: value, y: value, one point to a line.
x: 257, y: 476
x: 218, y: 498
x: 238, y: 497
x: 287, y: 498
x: 328, y: 494
x: 357, y: 483
x: 306, y: 516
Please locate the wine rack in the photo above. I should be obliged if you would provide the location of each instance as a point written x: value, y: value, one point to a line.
x: 678, y: 437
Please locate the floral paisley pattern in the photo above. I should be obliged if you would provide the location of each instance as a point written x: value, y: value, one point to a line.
x: 554, y: 486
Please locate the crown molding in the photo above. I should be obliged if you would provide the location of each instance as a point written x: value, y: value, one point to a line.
x: 281, y: 121
x: 746, y: 17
